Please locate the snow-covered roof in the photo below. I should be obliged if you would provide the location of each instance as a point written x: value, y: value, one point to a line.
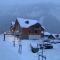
x: 54, y: 35
x: 43, y: 27
x: 25, y: 23
x: 47, y: 33
x: 12, y: 22
x: 59, y: 35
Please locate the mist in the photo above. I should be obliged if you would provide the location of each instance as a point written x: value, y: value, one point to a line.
x: 44, y: 11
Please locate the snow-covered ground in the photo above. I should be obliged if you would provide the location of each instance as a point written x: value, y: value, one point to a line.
x: 9, y: 52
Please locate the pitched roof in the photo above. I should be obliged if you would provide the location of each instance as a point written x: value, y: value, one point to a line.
x: 25, y: 23
x: 12, y: 22
x: 47, y: 33
x: 51, y: 37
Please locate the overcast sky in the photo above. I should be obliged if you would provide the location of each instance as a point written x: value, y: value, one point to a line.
x: 12, y: 2
x: 10, y: 9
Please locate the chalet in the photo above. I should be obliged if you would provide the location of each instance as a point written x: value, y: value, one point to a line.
x: 57, y: 36
x: 46, y: 34
x: 27, y: 28
x: 51, y: 37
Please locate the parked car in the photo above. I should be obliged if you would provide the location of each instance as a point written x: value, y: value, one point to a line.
x: 46, y: 46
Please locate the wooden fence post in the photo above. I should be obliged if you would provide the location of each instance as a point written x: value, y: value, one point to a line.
x: 14, y: 42
x: 20, y: 49
x: 4, y: 38
x: 38, y: 57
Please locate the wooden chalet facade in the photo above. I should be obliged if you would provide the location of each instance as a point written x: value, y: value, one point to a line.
x: 29, y: 29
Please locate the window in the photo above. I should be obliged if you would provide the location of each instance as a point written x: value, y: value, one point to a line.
x: 36, y: 31
x: 27, y: 22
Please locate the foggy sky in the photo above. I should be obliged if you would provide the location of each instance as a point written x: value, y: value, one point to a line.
x: 24, y: 2
x: 36, y: 9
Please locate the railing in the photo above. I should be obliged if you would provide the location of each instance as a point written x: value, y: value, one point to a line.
x: 42, y: 57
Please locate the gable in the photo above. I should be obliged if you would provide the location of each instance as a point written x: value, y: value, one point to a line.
x: 26, y: 23
x: 37, y: 25
x: 51, y: 37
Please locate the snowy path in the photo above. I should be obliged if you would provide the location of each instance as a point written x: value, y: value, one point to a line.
x: 8, y: 52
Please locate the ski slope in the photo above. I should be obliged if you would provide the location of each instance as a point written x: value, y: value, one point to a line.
x: 9, y: 52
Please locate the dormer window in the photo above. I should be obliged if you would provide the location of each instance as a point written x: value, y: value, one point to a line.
x: 27, y: 22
